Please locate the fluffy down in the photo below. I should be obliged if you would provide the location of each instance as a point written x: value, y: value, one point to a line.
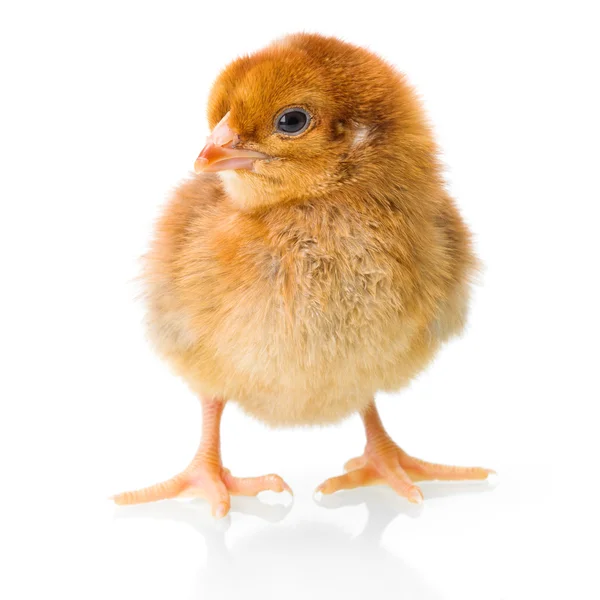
x: 326, y: 274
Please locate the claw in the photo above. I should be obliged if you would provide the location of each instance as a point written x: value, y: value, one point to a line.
x: 221, y: 511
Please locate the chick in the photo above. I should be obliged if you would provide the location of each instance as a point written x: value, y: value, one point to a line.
x: 315, y: 259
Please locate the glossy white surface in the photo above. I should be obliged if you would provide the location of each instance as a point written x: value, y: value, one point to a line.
x: 104, y: 114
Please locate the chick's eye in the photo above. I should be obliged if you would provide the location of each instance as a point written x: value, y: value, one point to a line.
x: 293, y: 121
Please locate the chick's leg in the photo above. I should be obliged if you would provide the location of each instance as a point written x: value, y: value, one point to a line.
x: 205, y: 477
x: 383, y: 462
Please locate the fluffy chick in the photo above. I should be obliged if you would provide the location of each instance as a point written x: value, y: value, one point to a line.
x: 315, y: 259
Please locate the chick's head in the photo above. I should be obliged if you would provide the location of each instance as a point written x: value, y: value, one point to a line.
x: 308, y: 115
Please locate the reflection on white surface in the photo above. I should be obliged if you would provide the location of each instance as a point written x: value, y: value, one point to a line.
x: 288, y: 560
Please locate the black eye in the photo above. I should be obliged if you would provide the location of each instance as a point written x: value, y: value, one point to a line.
x: 293, y: 121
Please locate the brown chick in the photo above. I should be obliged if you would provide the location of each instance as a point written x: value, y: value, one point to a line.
x: 315, y: 259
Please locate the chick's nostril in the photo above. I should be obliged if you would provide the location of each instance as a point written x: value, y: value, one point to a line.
x: 221, y: 138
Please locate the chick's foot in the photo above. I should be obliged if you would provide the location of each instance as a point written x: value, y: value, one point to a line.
x: 205, y: 477
x: 383, y: 462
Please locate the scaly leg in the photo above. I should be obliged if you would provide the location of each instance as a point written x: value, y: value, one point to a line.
x: 383, y: 462
x: 205, y: 476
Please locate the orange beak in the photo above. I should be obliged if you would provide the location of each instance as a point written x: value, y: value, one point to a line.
x: 219, y: 154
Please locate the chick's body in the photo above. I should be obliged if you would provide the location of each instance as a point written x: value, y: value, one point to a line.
x: 302, y: 311
x: 315, y: 259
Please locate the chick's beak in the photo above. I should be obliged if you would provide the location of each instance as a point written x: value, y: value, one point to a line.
x: 219, y: 153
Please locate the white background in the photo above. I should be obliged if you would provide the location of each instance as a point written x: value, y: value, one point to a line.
x: 102, y: 114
